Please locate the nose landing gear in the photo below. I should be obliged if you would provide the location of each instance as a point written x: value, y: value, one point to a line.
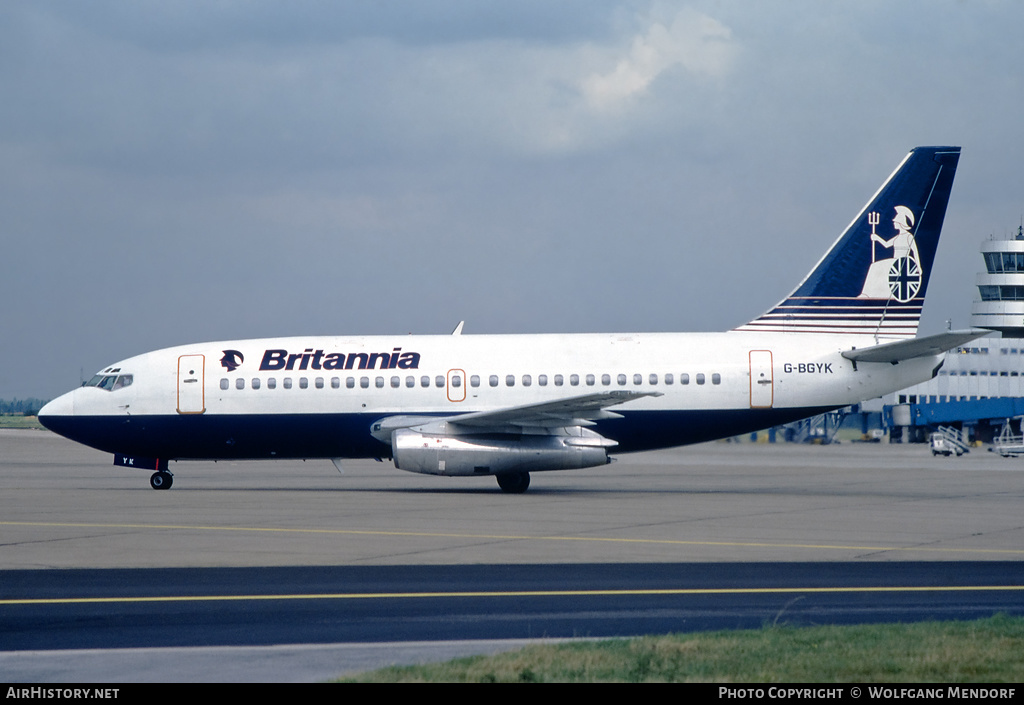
x: 161, y: 480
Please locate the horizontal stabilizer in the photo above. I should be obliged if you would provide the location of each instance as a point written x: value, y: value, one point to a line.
x: 915, y: 347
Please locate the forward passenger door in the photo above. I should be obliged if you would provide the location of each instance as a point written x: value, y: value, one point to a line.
x: 191, y: 384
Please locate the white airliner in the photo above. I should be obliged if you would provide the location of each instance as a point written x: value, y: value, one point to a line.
x: 508, y: 405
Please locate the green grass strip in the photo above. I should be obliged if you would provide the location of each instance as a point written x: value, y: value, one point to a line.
x: 985, y: 651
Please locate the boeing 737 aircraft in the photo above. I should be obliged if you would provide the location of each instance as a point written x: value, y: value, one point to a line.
x: 508, y: 405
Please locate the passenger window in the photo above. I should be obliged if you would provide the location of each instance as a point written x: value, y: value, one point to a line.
x: 224, y: 383
x: 653, y: 379
x: 510, y: 380
x: 410, y: 382
x: 590, y: 380
x: 558, y: 380
x: 542, y: 380
x: 335, y: 383
x: 239, y: 383
x: 379, y: 381
x: 439, y: 381
x: 350, y: 382
x: 255, y: 382
x: 272, y: 383
x: 716, y: 378
x: 303, y: 383
x: 670, y: 378
x: 319, y: 382
x: 527, y: 380
x: 684, y: 378
x: 456, y: 381
x: 700, y: 378
x: 474, y: 381
x: 574, y: 380
x: 621, y: 379
x: 493, y: 380
x: 364, y: 382
x: 639, y: 379
x: 606, y: 379
x: 424, y: 381
x: 287, y: 382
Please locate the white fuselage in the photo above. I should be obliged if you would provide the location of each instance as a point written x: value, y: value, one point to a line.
x: 700, y: 385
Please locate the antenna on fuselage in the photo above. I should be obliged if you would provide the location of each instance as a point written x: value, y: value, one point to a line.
x: 458, y: 328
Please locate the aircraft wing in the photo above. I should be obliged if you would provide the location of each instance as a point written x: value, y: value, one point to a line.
x: 542, y: 418
x: 915, y: 347
x: 574, y: 411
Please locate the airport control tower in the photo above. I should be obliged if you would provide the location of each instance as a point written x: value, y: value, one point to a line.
x: 1002, y: 287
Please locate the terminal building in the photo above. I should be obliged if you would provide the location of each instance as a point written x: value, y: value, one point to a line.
x: 981, y: 385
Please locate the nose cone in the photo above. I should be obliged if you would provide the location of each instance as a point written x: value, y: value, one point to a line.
x: 60, y: 408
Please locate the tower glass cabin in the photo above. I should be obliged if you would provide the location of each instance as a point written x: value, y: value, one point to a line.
x: 1001, y: 287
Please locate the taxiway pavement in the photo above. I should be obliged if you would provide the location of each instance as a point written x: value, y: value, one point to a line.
x: 64, y: 507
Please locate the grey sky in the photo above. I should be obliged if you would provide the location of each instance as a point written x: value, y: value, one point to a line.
x: 180, y: 172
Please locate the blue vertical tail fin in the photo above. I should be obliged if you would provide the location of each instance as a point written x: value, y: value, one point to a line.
x: 874, y: 278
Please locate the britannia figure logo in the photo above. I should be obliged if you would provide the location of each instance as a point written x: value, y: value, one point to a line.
x: 231, y: 360
x: 899, y: 276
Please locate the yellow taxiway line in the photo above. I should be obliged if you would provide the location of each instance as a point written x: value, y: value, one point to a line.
x: 509, y: 593
x: 515, y: 537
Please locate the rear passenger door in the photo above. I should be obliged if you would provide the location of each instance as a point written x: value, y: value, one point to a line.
x: 762, y: 387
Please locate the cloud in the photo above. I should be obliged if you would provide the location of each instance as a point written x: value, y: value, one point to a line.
x: 527, y: 98
x: 698, y: 44
x: 272, y: 98
x: 529, y: 166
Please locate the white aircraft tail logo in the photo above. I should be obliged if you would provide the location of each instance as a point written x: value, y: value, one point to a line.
x: 898, y: 277
x: 870, y: 283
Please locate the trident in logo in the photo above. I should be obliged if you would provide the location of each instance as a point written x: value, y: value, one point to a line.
x: 873, y: 220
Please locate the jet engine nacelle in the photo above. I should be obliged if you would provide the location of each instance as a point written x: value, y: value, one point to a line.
x: 437, y: 454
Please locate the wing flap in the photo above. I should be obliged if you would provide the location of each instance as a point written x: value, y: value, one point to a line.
x: 574, y: 411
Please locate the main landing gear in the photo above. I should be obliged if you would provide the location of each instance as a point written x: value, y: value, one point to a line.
x: 161, y: 480
x: 513, y: 482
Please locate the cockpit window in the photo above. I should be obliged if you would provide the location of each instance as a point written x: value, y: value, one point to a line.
x: 110, y: 382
